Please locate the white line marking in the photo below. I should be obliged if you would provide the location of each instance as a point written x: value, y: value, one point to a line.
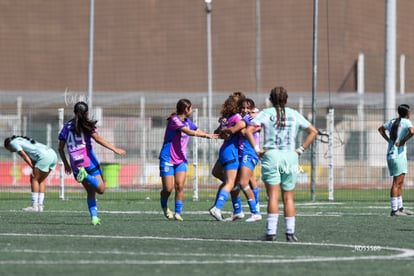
x: 241, y: 259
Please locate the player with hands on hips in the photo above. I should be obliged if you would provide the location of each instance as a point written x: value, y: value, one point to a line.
x: 280, y: 158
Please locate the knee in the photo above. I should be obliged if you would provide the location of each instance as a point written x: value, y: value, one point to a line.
x: 101, y: 188
x: 179, y: 188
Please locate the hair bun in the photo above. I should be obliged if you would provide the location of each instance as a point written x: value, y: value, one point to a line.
x: 80, y: 107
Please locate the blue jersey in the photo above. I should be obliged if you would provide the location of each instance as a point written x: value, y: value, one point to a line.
x: 231, y: 122
x: 244, y: 146
x: 174, y: 148
x: 79, y: 147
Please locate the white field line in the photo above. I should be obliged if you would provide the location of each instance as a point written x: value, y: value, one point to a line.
x: 198, y: 259
x: 299, y: 214
x: 227, y: 213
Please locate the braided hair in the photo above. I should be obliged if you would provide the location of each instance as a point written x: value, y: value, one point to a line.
x: 403, y: 110
x: 278, y: 97
x: 81, y: 121
x: 9, y: 139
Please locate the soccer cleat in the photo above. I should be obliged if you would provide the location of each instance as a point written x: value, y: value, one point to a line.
x: 405, y: 211
x: 33, y: 208
x: 397, y: 213
x: 291, y: 238
x: 96, y: 221
x: 178, y: 217
x: 254, y: 217
x: 81, y: 174
x: 216, y: 213
x: 40, y: 207
x: 234, y: 217
x: 168, y: 214
x: 268, y: 237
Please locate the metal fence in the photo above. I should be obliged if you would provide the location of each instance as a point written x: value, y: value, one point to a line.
x: 349, y: 156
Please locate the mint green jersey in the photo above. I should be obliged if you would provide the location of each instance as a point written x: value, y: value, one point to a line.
x: 280, y: 138
x: 394, y: 152
x: 34, y: 151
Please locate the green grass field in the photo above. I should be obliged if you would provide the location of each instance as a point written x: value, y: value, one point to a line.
x: 336, y: 238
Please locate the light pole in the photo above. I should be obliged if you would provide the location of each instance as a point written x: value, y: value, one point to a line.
x: 209, y: 64
x: 90, y: 53
x: 314, y: 88
x: 209, y: 76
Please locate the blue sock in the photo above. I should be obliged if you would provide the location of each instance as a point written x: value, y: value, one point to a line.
x: 163, y: 202
x: 252, y: 206
x: 178, y: 206
x: 92, y: 181
x: 237, y: 207
x: 217, y: 194
x: 221, y: 198
x: 256, y: 194
x: 93, y: 210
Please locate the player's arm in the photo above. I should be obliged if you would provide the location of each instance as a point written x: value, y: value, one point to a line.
x: 406, y: 138
x: 62, y: 154
x: 312, y: 132
x: 248, y: 133
x: 383, y: 133
x: 101, y: 141
x: 25, y: 157
x: 227, y: 132
x: 198, y: 133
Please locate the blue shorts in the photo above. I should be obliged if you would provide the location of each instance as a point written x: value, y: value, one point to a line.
x: 94, y: 168
x: 168, y: 169
x: 229, y: 158
x: 249, y: 161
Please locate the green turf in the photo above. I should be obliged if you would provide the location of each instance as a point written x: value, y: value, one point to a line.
x: 336, y: 238
x: 210, y: 193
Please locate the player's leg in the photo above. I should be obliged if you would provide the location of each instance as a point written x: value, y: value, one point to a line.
x: 91, y: 203
x: 179, y: 181
x: 245, y: 173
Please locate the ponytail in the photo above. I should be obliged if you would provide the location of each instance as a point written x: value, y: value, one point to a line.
x: 278, y: 97
x: 403, y: 111
x: 394, y: 129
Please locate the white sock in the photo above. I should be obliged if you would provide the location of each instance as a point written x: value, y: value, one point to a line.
x: 394, y: 203
x: 271, y: 224
x: 400, y: 202
x: 41, y: 198
x: 35, y: 198
x: 290, y: 225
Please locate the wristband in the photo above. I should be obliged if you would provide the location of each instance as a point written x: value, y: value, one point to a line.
x: 256, y: 148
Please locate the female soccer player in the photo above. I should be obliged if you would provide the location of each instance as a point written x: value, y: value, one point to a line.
x: 280, y: 125
x: 77, y: 135
x: 248, y: 159
x: 400, y: 130
x: 41, y: 159
x: 173, y: 156
x: 228, y: 160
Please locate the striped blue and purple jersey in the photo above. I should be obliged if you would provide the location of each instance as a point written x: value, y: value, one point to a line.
x: 174, y: 149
